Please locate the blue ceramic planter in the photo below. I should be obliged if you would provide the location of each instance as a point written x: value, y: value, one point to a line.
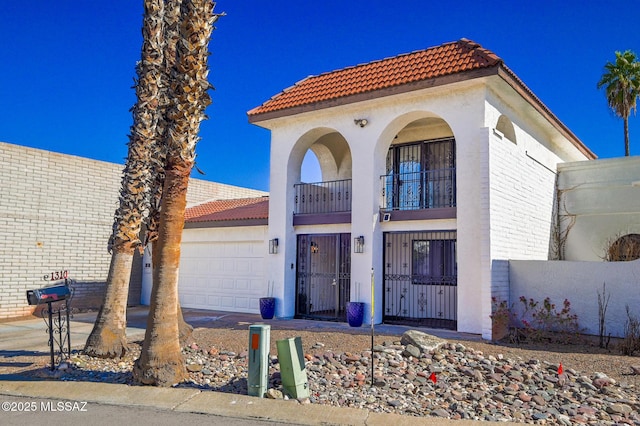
x: 355, y: 313
x: 267, y: 307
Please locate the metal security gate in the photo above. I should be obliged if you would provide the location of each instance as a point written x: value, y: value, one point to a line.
x: 420, y: 278
x: 323, y: 279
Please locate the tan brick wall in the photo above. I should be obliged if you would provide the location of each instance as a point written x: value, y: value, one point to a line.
x: 56, y: 213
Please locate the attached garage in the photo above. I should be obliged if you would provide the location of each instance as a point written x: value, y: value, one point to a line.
x: 223, y: 268
x: 222, y: 257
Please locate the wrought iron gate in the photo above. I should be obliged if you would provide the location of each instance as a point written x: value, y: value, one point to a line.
x: 323, y: 279
x: 420, y: 278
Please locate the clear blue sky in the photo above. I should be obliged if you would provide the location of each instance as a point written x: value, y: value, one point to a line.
x: 67, y: 66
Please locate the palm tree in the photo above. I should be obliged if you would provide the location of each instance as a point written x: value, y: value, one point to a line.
x: 108, y: 338
x: 159, y: 151
x: 621, y: 82
x: 161, y: 361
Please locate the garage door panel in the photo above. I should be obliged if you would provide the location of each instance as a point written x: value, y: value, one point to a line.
x: 222, y: 275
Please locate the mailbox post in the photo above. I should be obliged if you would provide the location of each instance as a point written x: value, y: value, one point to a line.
x: 57, y: 324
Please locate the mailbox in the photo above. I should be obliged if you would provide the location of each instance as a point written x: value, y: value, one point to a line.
x: 48, y: 294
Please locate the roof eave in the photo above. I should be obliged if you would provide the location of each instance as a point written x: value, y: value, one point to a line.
x: 225, y: 223
x: 512, y: 80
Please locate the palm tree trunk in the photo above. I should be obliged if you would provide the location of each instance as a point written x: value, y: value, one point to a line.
x: 108, y: 337
x: 185, y: 329
x: 626, y: 137
x: 161, y: 361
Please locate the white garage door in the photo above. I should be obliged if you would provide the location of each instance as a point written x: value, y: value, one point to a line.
x: 222, y: 275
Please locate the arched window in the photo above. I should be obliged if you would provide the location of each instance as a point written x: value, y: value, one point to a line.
x: 624, y: 249
x: 505, y: 127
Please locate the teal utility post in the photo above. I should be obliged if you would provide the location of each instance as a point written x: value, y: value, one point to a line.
x: 292, y: 370
x: 259, y: 343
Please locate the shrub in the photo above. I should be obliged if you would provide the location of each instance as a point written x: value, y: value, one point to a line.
x: 631, y: 341
x: 544, y: 322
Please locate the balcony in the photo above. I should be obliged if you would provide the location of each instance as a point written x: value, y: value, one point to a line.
x: 427, y: 194
x: 322, y: 202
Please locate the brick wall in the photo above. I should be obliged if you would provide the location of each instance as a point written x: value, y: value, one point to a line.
x: 522, y: 197
x: 56, y: 213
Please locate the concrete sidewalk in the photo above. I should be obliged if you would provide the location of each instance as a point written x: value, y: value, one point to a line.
x: 29, y: 336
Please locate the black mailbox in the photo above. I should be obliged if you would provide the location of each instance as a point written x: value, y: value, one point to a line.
x: 52, y: 293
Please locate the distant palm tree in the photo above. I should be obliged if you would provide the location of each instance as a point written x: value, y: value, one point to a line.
x: 161, y: 361
x: 108, y: 338
x: 621, y: 82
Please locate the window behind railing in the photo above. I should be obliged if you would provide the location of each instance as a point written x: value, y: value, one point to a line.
x: 323, y: 197
x: 420, y: 175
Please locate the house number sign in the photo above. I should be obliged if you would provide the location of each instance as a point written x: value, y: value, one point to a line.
x: 56, y: 275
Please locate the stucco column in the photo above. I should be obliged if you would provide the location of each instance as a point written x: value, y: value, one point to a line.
x: 474, y: 257
x: 365, y: 220
x: 281, y: 266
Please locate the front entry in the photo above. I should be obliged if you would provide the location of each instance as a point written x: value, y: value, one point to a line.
x: 421, y: 278
x: 323, y: 280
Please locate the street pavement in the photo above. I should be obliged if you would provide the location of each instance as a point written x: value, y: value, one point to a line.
x: 26, y: 401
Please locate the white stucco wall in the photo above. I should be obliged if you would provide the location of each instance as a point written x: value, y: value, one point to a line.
x: 580, y: 282
x: 504, y: 190
x: 604, y: 198
x: 460, y: 107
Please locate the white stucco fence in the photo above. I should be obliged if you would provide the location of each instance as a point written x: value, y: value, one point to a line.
x: 580, y: 282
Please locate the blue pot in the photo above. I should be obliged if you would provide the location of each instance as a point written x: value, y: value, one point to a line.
x: 267, y: 307
x: 355, y: 313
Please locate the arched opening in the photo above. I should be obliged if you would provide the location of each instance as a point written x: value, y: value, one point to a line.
x: 420, y: 169
x: 624, y: 249
x: 420, y: 276
x: 505, y: 127
x: 310, y: 171
x: 324, y: 183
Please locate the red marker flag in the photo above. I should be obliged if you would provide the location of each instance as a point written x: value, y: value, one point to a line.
x: 560, y: 369
x: 433, y: 378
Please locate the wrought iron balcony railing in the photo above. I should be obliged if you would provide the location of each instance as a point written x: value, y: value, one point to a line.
x: 429, y: 189
x: 323, y: 197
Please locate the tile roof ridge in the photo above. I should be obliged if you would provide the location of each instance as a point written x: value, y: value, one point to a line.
x: 489, y: 54
x: 375, y: 61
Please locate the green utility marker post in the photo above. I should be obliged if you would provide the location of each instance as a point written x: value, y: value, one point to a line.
x: 259, y: 343
x: 292, y: 370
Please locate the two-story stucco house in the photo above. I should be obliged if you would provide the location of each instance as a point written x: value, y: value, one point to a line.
x: 434, y: 164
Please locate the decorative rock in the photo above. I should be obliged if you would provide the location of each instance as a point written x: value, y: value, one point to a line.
x: 622, y: 409
x: 411, y: 350
x: 274, y: 394
x: 440, y: 412
x: 194, y: 368
x: 425, y: 342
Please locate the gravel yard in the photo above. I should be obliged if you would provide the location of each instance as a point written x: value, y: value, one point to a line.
x: 471, y: 378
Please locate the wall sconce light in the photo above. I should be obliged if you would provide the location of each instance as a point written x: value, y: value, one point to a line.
x: 314, y: 247
x: 273, y: 246
x: 358, y: 244
x: 361, y: 122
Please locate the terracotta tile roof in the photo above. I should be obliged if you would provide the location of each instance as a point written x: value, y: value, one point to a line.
x: 450, y: 58
x: 229, y: 210
x: 410, y: 71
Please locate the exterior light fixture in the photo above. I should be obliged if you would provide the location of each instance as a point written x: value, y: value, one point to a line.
x: 361, y: 122
x: 358, y: 244
x: 273, y: 246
